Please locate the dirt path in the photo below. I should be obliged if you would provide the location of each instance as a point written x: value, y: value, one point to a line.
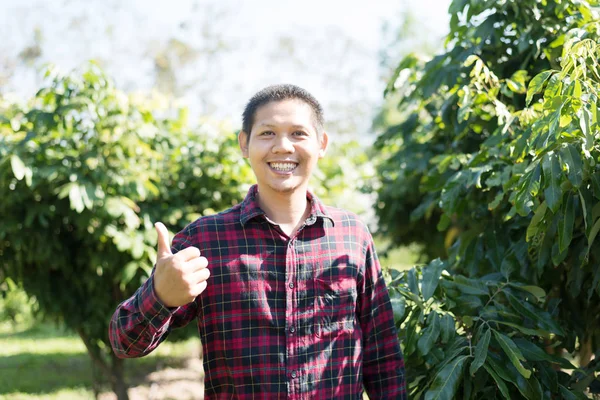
x: 184, y: 383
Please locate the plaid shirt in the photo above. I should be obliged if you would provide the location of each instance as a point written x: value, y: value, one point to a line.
x: 306, y: 317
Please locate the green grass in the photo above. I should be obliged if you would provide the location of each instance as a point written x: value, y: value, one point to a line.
x: 400, y: 258
x: 45, y: 362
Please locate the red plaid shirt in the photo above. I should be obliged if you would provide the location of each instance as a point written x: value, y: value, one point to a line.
x: 306, y: 317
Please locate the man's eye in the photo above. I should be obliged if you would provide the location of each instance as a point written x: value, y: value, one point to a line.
x: 266, y: 133
x: 300, y: 133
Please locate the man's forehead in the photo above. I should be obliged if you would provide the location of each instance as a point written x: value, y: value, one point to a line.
x: 294, y: 113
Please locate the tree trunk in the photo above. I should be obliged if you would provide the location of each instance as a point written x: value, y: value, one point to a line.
x: 96, y: 379
x: 585, y: 351
x: 117, y: 379
x: 114, y: 372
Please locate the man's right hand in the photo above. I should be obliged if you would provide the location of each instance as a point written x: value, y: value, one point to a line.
x: 178, y: 278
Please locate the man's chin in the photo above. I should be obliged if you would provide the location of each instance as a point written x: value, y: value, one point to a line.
x: 285, y: 188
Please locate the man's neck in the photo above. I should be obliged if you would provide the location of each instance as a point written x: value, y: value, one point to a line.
x: 288, y: 210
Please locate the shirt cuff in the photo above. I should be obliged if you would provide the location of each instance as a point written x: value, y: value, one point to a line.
x: 152, y: 308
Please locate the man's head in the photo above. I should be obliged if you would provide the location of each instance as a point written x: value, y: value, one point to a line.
x: 277, y: 93
x: 283, y: 138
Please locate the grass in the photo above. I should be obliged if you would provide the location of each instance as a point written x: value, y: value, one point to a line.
x: 400, y: 258
x: 46, y: 362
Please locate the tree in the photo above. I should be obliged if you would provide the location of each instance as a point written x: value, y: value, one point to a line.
x: 85, y: 172
x: 494, y: 169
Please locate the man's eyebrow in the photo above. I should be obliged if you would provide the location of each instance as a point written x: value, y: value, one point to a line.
x: 275, y: 126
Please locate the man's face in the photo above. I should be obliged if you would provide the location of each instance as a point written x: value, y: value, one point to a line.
x: 284, y: 146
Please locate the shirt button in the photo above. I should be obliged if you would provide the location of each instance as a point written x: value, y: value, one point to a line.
x: 292, y: 329
x: 294, y: 374
x: 291, y: 285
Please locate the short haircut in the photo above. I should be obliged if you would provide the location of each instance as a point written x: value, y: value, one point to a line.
x: 281, y: 93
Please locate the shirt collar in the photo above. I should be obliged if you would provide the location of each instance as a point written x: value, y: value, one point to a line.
x: 251, y: 209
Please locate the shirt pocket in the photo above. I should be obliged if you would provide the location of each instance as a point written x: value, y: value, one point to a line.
x: 335, y: 304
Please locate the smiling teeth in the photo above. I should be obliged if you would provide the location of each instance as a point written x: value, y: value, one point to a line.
x: 283, y: 166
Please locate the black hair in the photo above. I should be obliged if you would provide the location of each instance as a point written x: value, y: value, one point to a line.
x: 280, y: 93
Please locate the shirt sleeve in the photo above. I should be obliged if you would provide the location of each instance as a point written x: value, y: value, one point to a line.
x: 383, y: 362
x: 142, y: 322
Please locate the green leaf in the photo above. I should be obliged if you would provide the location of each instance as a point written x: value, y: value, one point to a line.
x: 536, y: 85
x: 572, y: 159
x: 516, y: 83
x: 532, y: 352
x: 552, y: 178
x: 548, y: 376
x: 446, y: 382
x: 554, y: 87
x: 565, y: 224
x: 501, y: 385
x: 431, y: 277
x: 398, y: 305
x: 553, y: 129
x: 527, y: 331
x: 468, y: 304
x: 429, y: 335
x: 538, y: 292
x: 542, y: 318
x: 500, y: 368
x: 18, y: 167
x: 534, y: 225
x: 470, y: 286
x: 480, y: 352
x: 530, y: 387
x: 584, y: 123
x: 447, y: 328
x: 593, y: 234
x: 569, y: 395
x: 412, y: 281
x: 528, y: 187
x: 496, y: 202
x: 513, y: 353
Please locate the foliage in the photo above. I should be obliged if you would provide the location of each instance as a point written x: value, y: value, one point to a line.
x: 494, y: 168
x: 86, y: 172
x: 15, y: 305
x: 344, y: 178
x: 480, y: 338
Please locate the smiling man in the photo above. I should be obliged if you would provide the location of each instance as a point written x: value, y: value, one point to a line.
x: 287, y: 292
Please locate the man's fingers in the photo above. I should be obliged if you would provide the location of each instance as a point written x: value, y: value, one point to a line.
x: 201, y: 275
x: 196, y: 264
x: 199, y: 288
x: 188, y: 254
x: 164, y: 248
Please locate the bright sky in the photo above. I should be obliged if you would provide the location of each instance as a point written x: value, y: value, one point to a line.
x: 126, y: 36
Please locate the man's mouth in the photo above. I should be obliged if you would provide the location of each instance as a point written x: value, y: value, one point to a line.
x: 283, y: 166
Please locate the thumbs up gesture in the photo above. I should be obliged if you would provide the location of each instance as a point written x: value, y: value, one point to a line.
x: 178, y: 278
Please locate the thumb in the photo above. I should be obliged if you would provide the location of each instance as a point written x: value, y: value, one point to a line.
x: 164, y: 249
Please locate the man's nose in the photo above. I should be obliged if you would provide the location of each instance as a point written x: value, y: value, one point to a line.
x: 283, y: 144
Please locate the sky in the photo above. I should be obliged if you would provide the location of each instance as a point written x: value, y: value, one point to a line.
x: 329, y: 47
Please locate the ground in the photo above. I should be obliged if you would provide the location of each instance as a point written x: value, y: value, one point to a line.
x: 46, y: 362
x: 169, y: 382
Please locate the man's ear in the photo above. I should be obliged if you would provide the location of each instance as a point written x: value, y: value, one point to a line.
x: 243, y: 142
x: 324, y: 144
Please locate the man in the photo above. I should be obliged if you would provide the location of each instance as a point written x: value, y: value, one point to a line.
x: 296, y: 306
